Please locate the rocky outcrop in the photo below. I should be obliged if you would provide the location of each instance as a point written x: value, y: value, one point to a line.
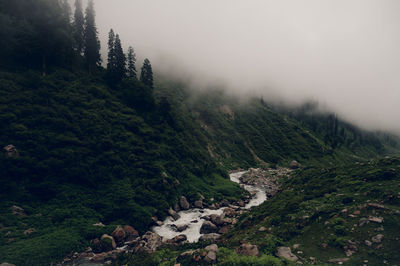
x: 184, y: 203
x: 248, y: 250
x: 179, y: 239
x: 10, y: 151
x: 286, y: 253
x: 18, y: 211
x: 208, y: 227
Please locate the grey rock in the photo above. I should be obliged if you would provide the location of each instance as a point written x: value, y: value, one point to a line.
x: 208, y: 227
x: 184, y: 203
x: 211, y: 257
x: 377, y: 239
x: 248, y: 250
x: 198, y: 204
x: 10, y: 151
x: 286, y: 253
x: 212, y: 247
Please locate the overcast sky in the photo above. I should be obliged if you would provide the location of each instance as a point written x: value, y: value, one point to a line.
x: 343, y: 53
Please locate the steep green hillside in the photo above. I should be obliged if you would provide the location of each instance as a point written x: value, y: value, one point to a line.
x: 331, y: 211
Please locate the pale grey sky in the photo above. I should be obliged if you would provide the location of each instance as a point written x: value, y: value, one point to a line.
x: 343, y: 53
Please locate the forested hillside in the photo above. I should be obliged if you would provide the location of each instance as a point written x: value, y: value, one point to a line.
x: 106, y: 145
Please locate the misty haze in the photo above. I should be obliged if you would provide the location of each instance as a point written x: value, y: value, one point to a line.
x: 214, y: 132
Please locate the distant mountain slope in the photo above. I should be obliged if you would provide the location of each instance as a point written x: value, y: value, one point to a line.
x: 90, y: 153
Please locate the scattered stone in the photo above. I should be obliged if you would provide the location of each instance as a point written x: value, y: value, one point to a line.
x: 294, y: 165
x: 18, y: 211
x: 377, y: 239
x: 363, y: 221
x: 29, y: 231
x: 248, y: 250
x: 208, y: 227
x: 210, y: 237
x: 338, y: 260
x: 375, y: 219
x: 212, y: 247
x: 10, y: 151
x: 376, y: 206
x: 286, y: 253
x: 99, y: 224
x: 184, y: 203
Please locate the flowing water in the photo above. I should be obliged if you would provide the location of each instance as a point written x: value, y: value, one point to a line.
x: 192, y: 217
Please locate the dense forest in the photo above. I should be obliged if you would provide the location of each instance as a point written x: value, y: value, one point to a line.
x: 100, y: 142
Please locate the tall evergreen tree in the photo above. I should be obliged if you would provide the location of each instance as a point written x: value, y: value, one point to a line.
x: 146, y: 76
x: 78, y: 25
x: 111, y: 51
x: 120, y: 59
x: 131, y: 63
x: 92, y: 43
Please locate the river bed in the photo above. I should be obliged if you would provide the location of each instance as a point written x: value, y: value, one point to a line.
x: 192, y: 217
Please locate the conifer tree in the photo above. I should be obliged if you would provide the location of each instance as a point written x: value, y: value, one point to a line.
x: 92, y: 43
x: 120, y: 59
x: 146, y: 76
x: 131, y: 63
x: 78, y: 25
x: 111, y: 53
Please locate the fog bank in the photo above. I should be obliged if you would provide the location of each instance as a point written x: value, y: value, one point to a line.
x: 343, y: 53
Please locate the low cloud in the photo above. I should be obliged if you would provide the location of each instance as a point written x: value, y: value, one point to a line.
x: 342, y: 53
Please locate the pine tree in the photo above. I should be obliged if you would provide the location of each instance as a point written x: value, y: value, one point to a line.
x: 111, y: 53
x: 120, y: 59
x: 78, y: 25
x: 131, y: 63
x: 146, y: 76
x: 92, y: 43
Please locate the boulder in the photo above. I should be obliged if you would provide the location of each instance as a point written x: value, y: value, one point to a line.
x: 149, y: 243
x: 212, y: 247
x: 294, y: 165
x: 210, y: 237
x: 99, y: 224
x: 262, y: 229
x: 119, y: 235
x: 286, y: 253
x: 377, y: 239
x: 108, y: 242
x: 198, y: 204
x: 368, y: 243
x: 378, y: 220
x: 211, y: 257
x: 10, y: 151
x: 29, y: 231
x: 173, y: 213
x: 7, y: 264
x: 223, y: 230
x: 181, y: 227
x: 184, y: 203
x: 208, y: 227
x: 248, y: 250
x: 131, y: 233
x: 178, y: 239
x: 18, y: 211
x: 338, y: 260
